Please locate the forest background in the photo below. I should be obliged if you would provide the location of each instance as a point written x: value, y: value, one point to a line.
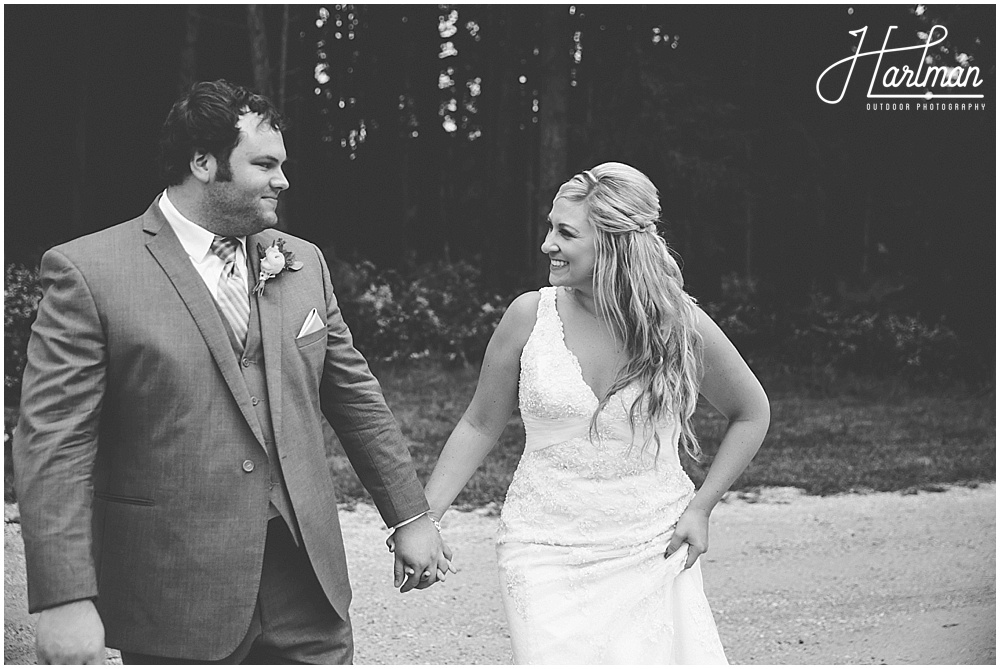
x: 841, y: 247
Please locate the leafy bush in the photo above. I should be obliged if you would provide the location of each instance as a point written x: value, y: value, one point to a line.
x: 823, y: 334
x: 748, y: 317
x: 21, y: 294
x: 439, y: 308
x: 874, y: 342
x: 9, y: 422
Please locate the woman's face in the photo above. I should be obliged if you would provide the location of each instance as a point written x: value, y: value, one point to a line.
x: 569, y: 244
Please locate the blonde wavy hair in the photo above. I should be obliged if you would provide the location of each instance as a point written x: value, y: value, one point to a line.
x: 639, y: 292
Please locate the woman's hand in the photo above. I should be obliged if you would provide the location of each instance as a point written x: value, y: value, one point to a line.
x: 421, y: 556
x: 441, y: 566
x: 692, y: 529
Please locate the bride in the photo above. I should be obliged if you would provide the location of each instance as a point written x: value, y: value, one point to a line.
x: 601, y: 529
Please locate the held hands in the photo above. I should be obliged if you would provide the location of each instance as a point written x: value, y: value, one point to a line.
x: 421, y: 556
x: 70, y: 633
x: 692, y: 529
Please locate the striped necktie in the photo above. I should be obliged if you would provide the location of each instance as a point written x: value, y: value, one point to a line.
x: 232, y: 294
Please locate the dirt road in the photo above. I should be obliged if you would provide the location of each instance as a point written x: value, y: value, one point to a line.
x: 849, y: 579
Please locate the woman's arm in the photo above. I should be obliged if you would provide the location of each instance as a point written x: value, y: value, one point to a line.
x: 494, y: 401
x: 730, y: 386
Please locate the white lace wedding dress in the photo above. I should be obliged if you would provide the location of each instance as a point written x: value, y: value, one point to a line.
x: 585, y: 524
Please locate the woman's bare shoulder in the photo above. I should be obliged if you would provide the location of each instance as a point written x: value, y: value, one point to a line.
x: 518, y: 321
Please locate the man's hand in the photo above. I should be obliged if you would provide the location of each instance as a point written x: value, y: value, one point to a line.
x: 70, y: 634
x: 421, y: 557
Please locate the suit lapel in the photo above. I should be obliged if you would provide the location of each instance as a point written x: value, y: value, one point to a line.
x: 271, y: 312
x: 173, y: 259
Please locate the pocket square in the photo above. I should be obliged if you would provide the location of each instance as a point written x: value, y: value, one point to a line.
x: 311, y: 324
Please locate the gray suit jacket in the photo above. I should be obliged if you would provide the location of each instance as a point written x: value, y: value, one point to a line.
x: 136, y: 422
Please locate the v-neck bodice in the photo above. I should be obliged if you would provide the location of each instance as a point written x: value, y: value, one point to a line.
x: 556, y: 402
x: 574, y: 359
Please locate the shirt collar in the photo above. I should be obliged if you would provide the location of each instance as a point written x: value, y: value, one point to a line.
x: 196, y: 240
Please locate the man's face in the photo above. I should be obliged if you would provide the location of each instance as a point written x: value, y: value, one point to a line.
x: 247, y: 202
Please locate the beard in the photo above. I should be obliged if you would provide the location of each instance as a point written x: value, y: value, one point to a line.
x: 237, y: 212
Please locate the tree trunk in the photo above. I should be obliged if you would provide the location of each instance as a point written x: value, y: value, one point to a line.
x: 82, y: 94
x: 260, y: 60
x: 817, y: 268
x: 552, y: 119
x: 189, y: 50
x: 283, y: 59
x: 751, y: 222
x: 866, y: 243
x: 499, y: 102
x: 755, y: 104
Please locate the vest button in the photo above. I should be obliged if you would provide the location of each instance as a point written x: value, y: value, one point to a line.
x: 254, y: 401
x: 248, y: 466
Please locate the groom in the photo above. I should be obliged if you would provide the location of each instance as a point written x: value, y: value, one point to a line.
x: 174, y: 481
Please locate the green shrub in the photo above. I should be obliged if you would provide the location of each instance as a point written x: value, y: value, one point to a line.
x: 436, y: 309
x: 21, y: 294
x: 9, y: 422
x: 873, y: 342
x: 845, y: 337
x: 748, y: 317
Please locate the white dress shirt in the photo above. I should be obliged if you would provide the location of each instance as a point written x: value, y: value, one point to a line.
x: 197, y: 241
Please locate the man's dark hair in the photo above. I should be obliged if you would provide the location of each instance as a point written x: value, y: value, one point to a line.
x: 205, y: 119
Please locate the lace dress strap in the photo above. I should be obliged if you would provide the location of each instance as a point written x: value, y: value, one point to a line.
x: 547, y: 305
x: 547, y: 325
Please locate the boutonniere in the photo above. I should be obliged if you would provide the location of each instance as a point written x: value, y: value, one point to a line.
x: 273, y: 260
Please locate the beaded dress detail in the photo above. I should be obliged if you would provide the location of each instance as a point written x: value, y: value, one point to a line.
x: 585, y: 524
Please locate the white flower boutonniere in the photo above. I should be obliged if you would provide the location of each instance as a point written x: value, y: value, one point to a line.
x: 273, y: 260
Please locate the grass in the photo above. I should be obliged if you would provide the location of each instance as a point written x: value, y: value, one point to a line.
x: 828, y: 434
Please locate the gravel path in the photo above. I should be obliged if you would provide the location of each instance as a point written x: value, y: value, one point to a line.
x: 849, y: 579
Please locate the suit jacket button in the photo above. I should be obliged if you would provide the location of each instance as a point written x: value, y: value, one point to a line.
x: 254, y: 401
x: 248, y: 466
x: 246, y: 363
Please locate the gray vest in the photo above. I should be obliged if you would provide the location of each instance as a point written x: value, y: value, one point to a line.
x: 251, y: 359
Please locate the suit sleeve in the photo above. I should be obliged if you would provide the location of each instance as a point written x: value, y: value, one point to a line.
x: 352, y: 401
x: 55, y: 442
